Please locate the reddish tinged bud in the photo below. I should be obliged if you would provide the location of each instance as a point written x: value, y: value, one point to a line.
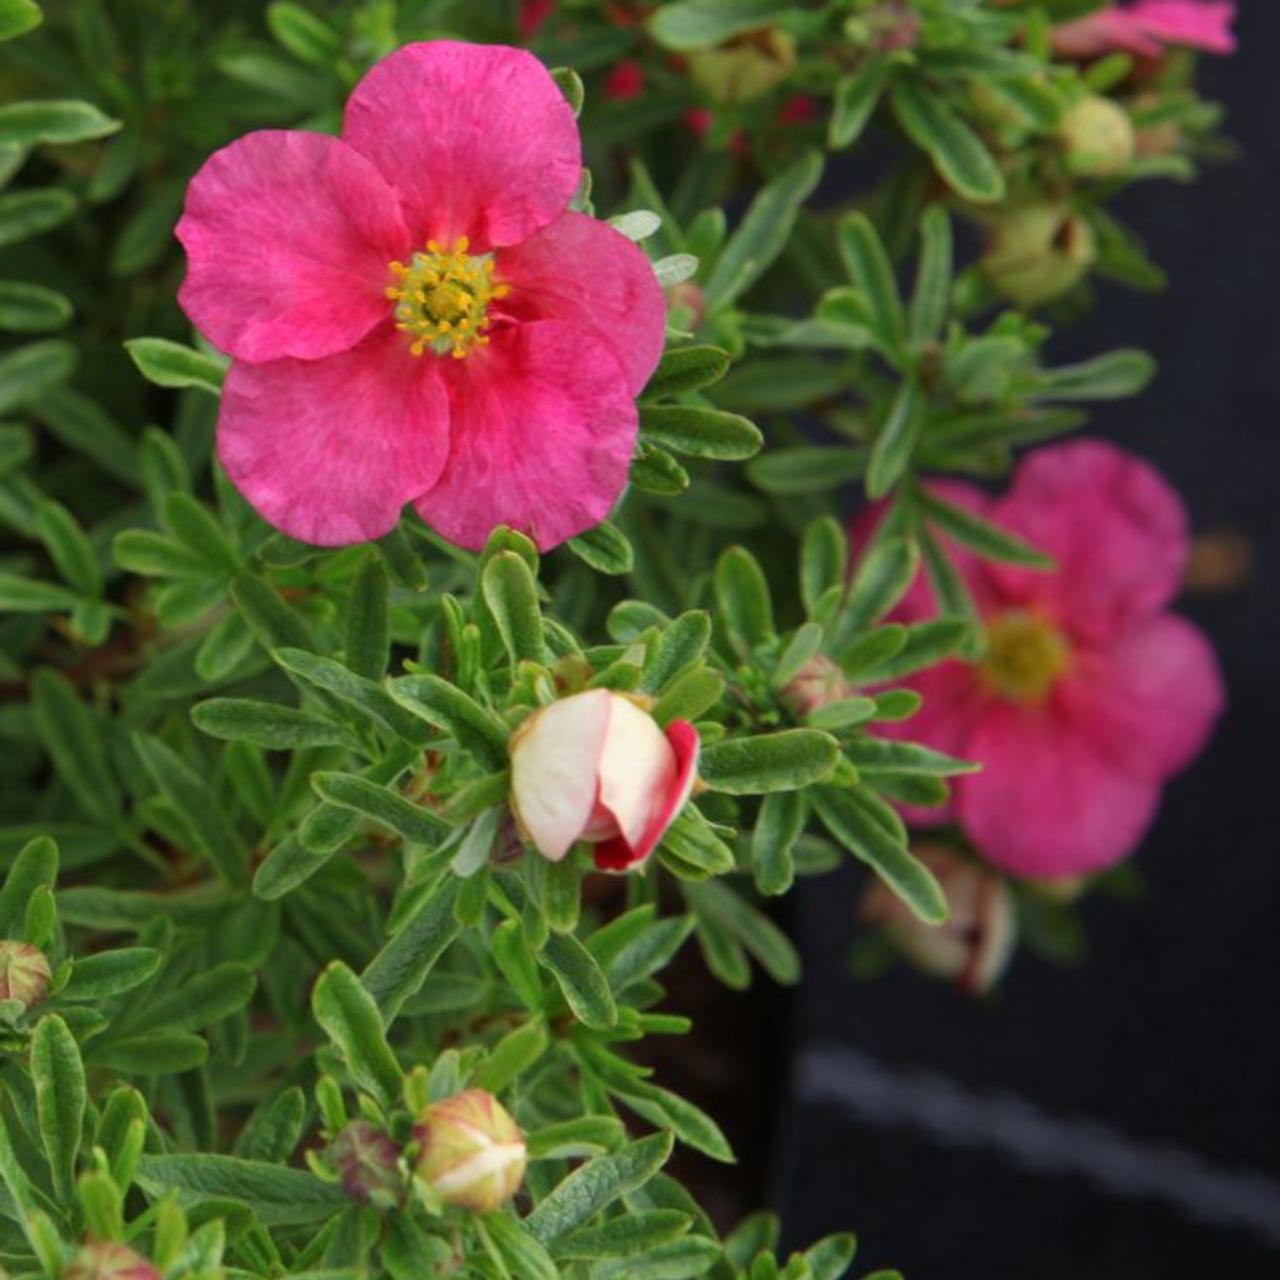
x: 108, y: 1261
x: 24, y: 973
x: 798, y: 110
x: 369, y: 1164
x: 686, y: 305
x: 698, y: 121
x: 473, y: 1154
x: 975, y: 944
x: 625, y: 82
x: 533, y: 13
x: 819, y: 683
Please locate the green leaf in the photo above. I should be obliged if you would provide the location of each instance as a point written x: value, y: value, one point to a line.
x: 521, y: 1253
x: 784, y: 761
x: 932, y: 298
x: 82, y: 425
x: 831, y: 1257
x: 162, y: 1053
x: 765, y: 227
x: 865, y: 259
x: 957, y: 151
x: 511, y: 593
x: 278, y: 1197
x: 350, y: 1016
x: 691, y: 838
x: 51, y: 120
x: 689, y: 696
x: 742, y: 594
x: 700, y: 24
x: 29, y: 372
x: 447, y: 707
x: 861, y: 832
x: 35, y: 867
x: 655, y: 471
x: 384, y: 806
x: 513, y: 1055
x: 987, y: 539
x: 884, y: 575
x: 682, y: 644
x: 778, y: 827
x: 628, y: 1236
x: 155, y: 555
x: 605, y: 548
x: 31, y: 308
x: 265, y: 724
x: 111, y: 973
x: 690, y: 1124
x: 303, y: 34
x: 29, y: 213
x: 701, y: 433
x: 368, y: 643
x: 68, y: 547
x: 1113, y: 376
x: 596, y: 1185
x: 715, y: 902
x: 274, y: 624
x: 572, y: 1139
x: 581, y: 981
x: 26, y: 595
x: 70, y: 735
x: 194, y: 526
x: 885, y: 755
x: 273, y: 1131
x: 896, y: 439
x: 688, y: 1258
x: 171, y: 364
x: 203, y: 1000
x: 58, y: 1076
x: 807, y: 469
x: 687, y: 369
x: 926, y: 644
x: 17, y: 17
x: 855, y: 99
x: 399, y: 969
x: 202, y: 815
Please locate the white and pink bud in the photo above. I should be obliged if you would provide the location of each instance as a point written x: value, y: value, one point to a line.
x: 596, y: 767
x: 974, y: 946
x: 24, y: 973
x: 472, y: 1152
x: 108, y: 1260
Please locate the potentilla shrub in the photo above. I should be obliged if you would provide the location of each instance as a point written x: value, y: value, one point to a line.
x: 430, y: 600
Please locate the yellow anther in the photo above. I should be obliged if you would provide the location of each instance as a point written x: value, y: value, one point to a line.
x: 443, y: 298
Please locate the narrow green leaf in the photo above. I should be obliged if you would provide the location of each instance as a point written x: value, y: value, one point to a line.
x: 1113, y: 376
x: 511, y: 593
x: 55, y: 121
x: 742, y: 594
x: 399, y: 969
x: 265, y: 724
x: 701, y: 433
x: 348, y: 1013
x: 687, y: 369
x: 778, y: 826
x: 69, y: 547
x: 932, y: 298
x: 28, y: 373
x: 855, y: 99
x: 382, y: 805
x: 111, y: 973
x: 368, y: 642
x: 958, y: 152
x: 71, y: 736
x: 865, y: 259
x: 58, y: 1076
x: 808, y: 469
x: 29, y: 213
x: 170, y: 364
x: 784, y: 761
x: 896, y: 439
x: 31, y: 308
x: 581, y: 981
x: 447, y: 707
x: 700, y: 24
x: 274, y: 624
x: 605, y: 548
x: 203, y: 1000
x: 987, y: 539
x: 883, y: 576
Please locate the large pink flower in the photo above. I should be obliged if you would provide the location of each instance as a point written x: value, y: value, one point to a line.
x: 1147, y: 26
x: 1090, y: 694
x: 414, y: 313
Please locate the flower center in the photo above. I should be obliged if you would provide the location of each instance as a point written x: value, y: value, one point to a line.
x: 442, y: 299
x: 1025, y: 655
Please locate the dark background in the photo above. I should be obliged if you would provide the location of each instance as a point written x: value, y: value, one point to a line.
x: 1119, y: 1118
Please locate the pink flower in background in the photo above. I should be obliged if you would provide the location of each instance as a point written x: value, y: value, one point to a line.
x: 1090, y: 694
x: 625, y: 82
x: 414, y: 314
x: 596, y: 767
x: 1147, y: 26
x: 533, y: 13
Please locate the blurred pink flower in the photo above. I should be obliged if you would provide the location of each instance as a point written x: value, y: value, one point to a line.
x: 533, y: 13
x: 625, y: 82
x: 436, y: 227
x: 1147, y: 26
x: 1090, y: 695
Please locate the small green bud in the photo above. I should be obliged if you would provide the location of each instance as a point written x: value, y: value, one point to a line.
x: 746, y: 67
x: 1038, y: 251
x: 473, y: 1155
x: 1097, y: 136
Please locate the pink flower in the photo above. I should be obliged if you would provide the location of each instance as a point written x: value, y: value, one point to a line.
x: 1146, y: 26
x: 625, y: 82
x: 596, y: 767
x: 1090, y: 694
x: 415, y: 315
x: 533, y: 13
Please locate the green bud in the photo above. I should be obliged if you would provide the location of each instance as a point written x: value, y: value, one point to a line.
x: 1038, y: 251
x: 746, y: 67
x: 1097, y: 136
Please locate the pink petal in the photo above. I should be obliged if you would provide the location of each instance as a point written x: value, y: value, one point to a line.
x: 288, y: 237
x: 618, y: 854
x: 637, y: 769
x: 555, y: 756
x: 1115, y: 527
x: 477, y: 140
x: 1048, y: 804
x: 1195, y: 23
x: 1150, y: 700
x: 543, y: 429
x: 1104, y: 32
x: 582, y: 271
x: 330, y: 450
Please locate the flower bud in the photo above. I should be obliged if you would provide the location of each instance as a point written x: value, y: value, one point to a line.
x: 596, y: 767
x: 473, y: 1155
x: 746, y: 67
x: 107, y: 1260
x: 369, y: 1164
x: 1038, y: 251
x: 819, y: 683
x: 24, y: 973
x: 1097, y: 136
x: 975, y: 944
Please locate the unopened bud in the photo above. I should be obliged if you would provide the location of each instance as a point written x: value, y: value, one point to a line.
x: 746, y: 67
x: 473, y: 1155
x: 819, y: 683
x: 107, y: 1260
x: 1038, y: 251
x: 369, y: 1165
x: 24, y: 973
x: 1097, y: 136
x: 974, y: 945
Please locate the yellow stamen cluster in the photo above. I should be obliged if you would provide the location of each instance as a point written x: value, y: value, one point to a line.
x: 442, y: 298
x: 1025, y: 654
